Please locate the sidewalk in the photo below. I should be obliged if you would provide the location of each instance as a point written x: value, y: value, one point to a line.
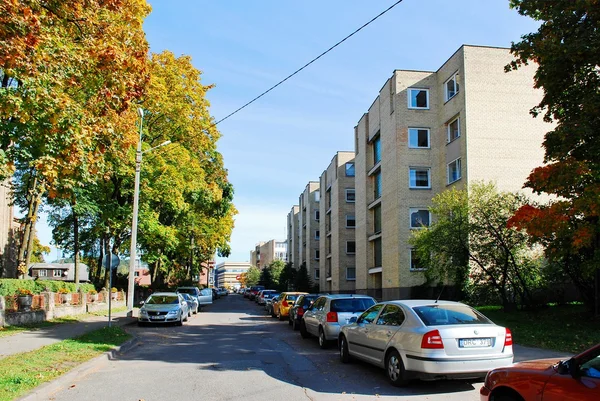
x: 37, y: 338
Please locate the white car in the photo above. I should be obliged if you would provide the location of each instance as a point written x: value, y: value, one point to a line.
x: 164, y: 307
x: 426, y: 339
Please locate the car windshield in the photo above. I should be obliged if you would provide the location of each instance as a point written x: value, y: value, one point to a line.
x: 163, y: 299
x: 440, y: 315
x: 351, y: 304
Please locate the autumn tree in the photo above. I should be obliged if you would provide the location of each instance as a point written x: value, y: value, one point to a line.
x: 252, y: 276
x: 469, y: 243
x: 566, y: 48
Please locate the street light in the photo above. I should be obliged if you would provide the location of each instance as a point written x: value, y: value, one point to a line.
x: 136, y: 198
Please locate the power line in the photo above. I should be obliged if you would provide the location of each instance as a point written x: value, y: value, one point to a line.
x: 309, y: 63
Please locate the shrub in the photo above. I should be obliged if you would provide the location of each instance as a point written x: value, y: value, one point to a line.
x: 23, y: 292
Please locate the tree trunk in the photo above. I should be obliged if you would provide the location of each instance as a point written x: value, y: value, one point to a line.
x: 36, y: 204
x: 75, y: 245
x: 99, y: 270
x: 26, y: 228
x: 107, y: 269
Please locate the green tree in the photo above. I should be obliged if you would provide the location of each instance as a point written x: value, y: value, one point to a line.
x: 470, y: 242
x: 252, y: 276
x: 566, y: 48
x: 302, y: 281
x: 287, y: 277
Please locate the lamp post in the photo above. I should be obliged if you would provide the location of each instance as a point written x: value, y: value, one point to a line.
x: 134, y: 219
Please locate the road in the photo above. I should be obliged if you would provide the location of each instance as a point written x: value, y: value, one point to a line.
x: 233, y: 351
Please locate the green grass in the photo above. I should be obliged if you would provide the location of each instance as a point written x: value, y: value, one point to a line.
x: 21, y: 373
x: 566, y: 328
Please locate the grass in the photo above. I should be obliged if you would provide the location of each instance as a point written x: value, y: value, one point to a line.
x: 565, y: 328
x: 22, y: 372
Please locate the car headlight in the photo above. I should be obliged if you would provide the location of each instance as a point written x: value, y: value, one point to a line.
x: 143, y: 311
x: 173, y: 312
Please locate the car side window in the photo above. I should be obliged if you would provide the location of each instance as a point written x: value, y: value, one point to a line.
x: 392, y: 315
x: 370, y: 314
x: 591, y: 368
x: 319, y: 304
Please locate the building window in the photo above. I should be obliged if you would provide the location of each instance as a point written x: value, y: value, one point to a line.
x: 418, y: 138
x: 56, y: 273
x: 317, y: 274
x: 377, y: 185
x: 350, y: 221
x: 418, y: 98
x: 136, y: 274
x: 377, y: 254
x: 419, y: 177
x: 454, y: 173
x: 451, y: 86
x: 453, y: 129
x: 377, y: 219
x: 317, y: 254
x: 318, y: 234
x: 419, y: 218
x: 350, y: 247
x: 350, y: 169
x: 328, y: 198
x: 415, y: 262
x: 376, y: 150
x: 350, y: 273
x: 317, y: 215
x: 42, y: 273
x: 317, y: 195
x: 350, y: 195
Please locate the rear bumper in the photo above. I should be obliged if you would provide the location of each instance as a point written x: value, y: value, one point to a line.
x: 455, y: 368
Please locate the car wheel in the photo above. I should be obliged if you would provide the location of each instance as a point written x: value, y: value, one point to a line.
x: 322, y: 340
x: 280, y: 316
x: 395, y: 369
x: 196, y: 310
x: 290, y: 320
x: 273, y: 313
x: 303, y: 332
x: 294, y: 325
x: 186, y: 317
x: 344, y: 354
x: 180, y: 322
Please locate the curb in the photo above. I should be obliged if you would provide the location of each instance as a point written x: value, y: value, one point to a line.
x: 46, y: 390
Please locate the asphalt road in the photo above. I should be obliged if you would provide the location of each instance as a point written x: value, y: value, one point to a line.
x: 234, y: 351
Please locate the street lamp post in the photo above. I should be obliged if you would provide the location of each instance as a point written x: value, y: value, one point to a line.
x: 134, y: 219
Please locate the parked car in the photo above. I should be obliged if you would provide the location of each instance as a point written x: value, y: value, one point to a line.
x: 269, y: 303
x: 328, y: 313
x: 192, y: 302
x: 281, y: 306
x: 222, y: 291
x: 264, y: 295
x: 426, y: 339
x: 574, y: 379
x: 255, y: 289
x: 303, y: 302
x: 164, y: 307
x: 203, y: 296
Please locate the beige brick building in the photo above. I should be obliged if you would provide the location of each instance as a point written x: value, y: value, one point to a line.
x: 267, y: 252
x: 337, y: 225
x: 293, y: 236
x: 309, y: 231
x: 430, y: 131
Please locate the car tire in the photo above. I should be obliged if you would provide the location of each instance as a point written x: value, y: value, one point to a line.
x: 280, y: 316
x: 303, y: 332
x: 290, y: 320
x: 323, y: 343
x: 180, y: 322
x: 273, y: 313
x: 196, y: 310
x: 395, y: 369
x: 294, y: 325
x: 344, y: 354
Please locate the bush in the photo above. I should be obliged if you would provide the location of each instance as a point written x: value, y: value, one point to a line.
x: 10, y: 286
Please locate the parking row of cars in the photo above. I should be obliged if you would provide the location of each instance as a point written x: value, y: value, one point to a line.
x: 429, y: 340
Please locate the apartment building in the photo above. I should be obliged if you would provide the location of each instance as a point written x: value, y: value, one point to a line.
x: 337, y: 225
x: 293, y: 236
x: 427, y: 132
x: 267, y: 252
x: 309, y: 230
x: 227, y: 274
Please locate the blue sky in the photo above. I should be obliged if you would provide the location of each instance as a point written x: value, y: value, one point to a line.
x: 244, y: 47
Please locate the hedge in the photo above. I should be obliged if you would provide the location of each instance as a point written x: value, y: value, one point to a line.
x: 10, y: 286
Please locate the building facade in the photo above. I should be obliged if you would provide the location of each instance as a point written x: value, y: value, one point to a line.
x: 425, y: 133
x: 308, y: 223
x: 265, y: 253
x: 8, y: 232
x: 293, y: 236
x: 227, y: 274
x: 337, y: 225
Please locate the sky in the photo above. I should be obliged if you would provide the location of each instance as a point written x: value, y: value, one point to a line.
x: 287, y: 138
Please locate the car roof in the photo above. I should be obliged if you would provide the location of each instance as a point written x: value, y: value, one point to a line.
x: 165, y: 294
x: 186, y: 288
x: 411, y: 303
x: 338, y: 296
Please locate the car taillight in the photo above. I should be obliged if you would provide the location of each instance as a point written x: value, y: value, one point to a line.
x: 432, y: 340
x: 332, y: 317
x: 284, y: 304
x: 300, y: 311
x: 508, y: 338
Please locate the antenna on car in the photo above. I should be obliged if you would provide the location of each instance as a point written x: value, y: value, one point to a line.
x: 438, y: 298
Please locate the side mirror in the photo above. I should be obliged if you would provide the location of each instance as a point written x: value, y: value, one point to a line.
x: 353, y: 319
x: 142, y: 302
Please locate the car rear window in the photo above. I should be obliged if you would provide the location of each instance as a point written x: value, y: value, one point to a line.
x: 441, y: 315
x: 351, y: 304
x: 290, y: 297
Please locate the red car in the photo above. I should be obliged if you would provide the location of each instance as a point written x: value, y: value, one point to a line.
x: 576, y: 379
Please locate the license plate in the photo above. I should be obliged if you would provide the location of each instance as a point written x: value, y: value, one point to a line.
x: 474, y: 342
x: 157, y: 318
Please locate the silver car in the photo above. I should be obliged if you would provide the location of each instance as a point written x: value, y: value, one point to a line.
x: 426, y: 339
x: 164, y: 307
x: 329, y: 312
x: 204, y: 296
x: 192, y: 303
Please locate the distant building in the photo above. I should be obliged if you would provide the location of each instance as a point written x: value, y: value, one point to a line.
x: 207, y: 275
x: 227, y: 274
x: 309, y: 216
x: 265, y: 253
x: 293, y: 236
x: 58, y: 271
